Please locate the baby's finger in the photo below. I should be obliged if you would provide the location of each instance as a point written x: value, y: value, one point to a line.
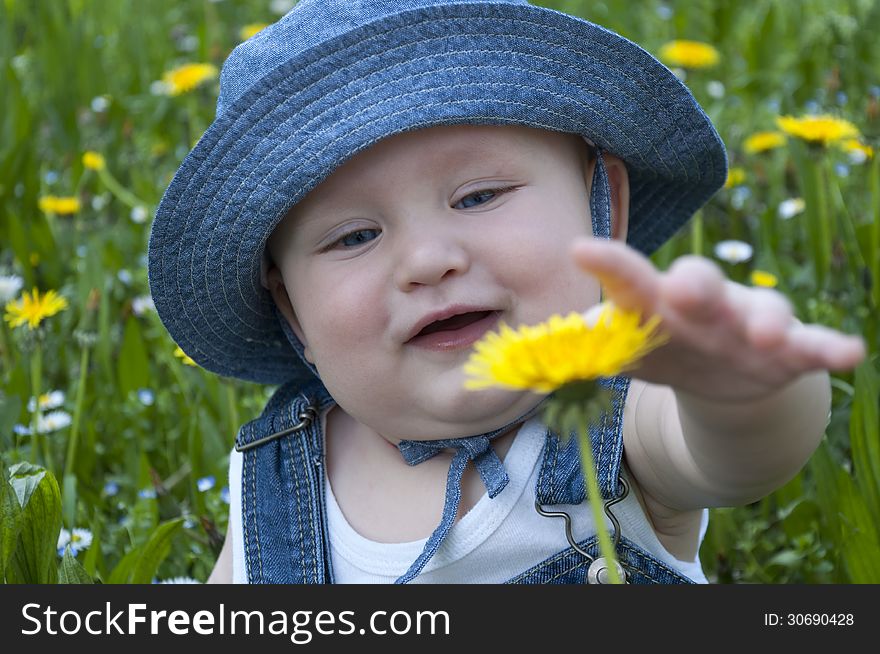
x: 770, y: 317
x: 628, y: 278
x: 818, y: 347
x: 695, y: 286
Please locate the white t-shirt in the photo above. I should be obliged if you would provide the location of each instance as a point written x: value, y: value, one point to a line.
x: 487, y: 544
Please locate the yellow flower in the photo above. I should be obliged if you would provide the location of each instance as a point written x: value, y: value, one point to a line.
x: 93, y: 160
x: 818, y: 130
x: 856, y: 147
x: 187, y: 77
x: 763, y: 141
x: 735, y: 177
x: 34, y: 308
x: 63, y: 206
x: 249, y: 30
x: 544, y: 357
x: 689, y: 54
x: 183, y: 356
x: 762, y: 278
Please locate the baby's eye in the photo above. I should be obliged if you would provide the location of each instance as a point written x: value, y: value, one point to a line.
x: 352, y: 239
x: 355, y: 238
x: 479, y: 197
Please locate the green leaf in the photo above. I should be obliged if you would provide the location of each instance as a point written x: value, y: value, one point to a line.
x: 133, y: 366
x: 786, y: 558
x: 121, y: 574
x: 864, y: 426
x: 68, y: 499
x: 25, y: 477
x: 90, y: 560
x: 10, y: 408
x: 10, y: 522
x: 155, y: 551
x: 139, y: 566
x: 71, y: 572
x: 34, y: 559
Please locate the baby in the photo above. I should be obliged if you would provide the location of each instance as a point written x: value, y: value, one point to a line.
x: 385, y: 183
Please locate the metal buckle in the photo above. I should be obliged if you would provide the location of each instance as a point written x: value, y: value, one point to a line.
x: 306, y: 416
x: 597, y: 565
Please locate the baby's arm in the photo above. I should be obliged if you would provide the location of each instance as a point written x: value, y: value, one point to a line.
x: 222, y: 572
x: 738, y: 399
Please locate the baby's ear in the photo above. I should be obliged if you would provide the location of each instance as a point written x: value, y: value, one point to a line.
x: 273, y: 281
x: 618, y: 180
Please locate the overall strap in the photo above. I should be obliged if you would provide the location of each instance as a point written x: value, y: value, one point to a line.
x: 282, y: 489
x: 560, y: 478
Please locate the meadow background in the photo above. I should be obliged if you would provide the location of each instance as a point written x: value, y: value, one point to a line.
x: 121, y: 466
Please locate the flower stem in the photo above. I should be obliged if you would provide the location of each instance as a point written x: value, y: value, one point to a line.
x: 874, y: 249
x: 77, y: 412
x: 36, y: 366
x: 122, y: 194
x: 606, y: 549
x: 697, y: 233
x: 823, y: 237
x: 233, y: 407
x: 5, y: 351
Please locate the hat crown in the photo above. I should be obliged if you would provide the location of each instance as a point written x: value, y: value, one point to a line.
x: 309, y: 24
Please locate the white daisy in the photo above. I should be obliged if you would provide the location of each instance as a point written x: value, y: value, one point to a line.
x: 10, y: 285
x: 141, y: 304
x: 715, y: 89
x: 53, y: 422
x: 99, y: 104
x: 733, y: 251
x: 179, y: 580
x: 791, y: 208
x: 78, y: 539
x: 139, y: 215
x: 51, y: 400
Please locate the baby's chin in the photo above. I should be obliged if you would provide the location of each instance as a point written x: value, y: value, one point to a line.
x: 479, y: 412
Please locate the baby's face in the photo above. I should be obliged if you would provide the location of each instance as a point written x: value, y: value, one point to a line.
x: 408, y: 253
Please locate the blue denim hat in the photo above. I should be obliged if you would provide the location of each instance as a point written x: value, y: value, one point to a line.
x: 332, y: 77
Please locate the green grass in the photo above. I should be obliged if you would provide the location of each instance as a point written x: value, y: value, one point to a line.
x: 76, y: 75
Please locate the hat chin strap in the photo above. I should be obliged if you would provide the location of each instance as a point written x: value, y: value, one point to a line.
x: 473, y: 448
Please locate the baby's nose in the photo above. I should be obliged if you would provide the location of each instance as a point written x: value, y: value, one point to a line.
x: 428, y: 261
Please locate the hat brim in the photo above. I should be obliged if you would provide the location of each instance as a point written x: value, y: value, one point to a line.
x: 476, y: 63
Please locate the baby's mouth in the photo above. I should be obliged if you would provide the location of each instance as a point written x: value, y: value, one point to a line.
x: 454, y: 323
x: 456, y: 332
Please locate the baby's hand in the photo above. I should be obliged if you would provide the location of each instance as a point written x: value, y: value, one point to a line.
x: 727, y: 341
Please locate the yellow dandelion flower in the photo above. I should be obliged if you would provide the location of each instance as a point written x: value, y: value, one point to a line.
x: 63, y: 206
x: 689, y: 54
x: 735, y: 177
x: 94, y: 160
x: 544, y: 357
x: 763, y: 141
x: 33, y: 308
x: 818, y: 130
x: 856, y: 147
x: 763, y: 278
x: 183, y: 356
x: 187, y: 77
x: 248, y: 31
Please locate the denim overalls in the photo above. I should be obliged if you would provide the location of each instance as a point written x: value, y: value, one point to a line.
x: 284, y: 517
